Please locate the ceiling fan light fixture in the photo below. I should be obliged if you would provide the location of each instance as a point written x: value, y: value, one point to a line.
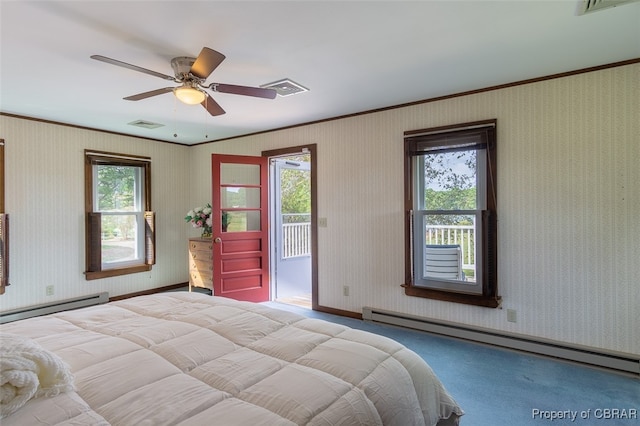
x: 189, y: 95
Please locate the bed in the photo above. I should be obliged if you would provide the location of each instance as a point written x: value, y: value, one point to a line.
x: 183, y: 358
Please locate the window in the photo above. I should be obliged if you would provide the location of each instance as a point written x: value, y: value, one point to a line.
x: 450, y: 237
x: 120, y: 229
x: 4, y: 229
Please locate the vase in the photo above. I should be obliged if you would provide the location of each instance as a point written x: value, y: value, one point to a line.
x: 206, y: 234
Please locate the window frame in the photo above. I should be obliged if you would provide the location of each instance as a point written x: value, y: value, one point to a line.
x: 93, y: 218
x: 445, y: 139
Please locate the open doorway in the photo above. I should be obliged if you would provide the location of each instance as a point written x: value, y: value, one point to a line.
x: 292, y: 238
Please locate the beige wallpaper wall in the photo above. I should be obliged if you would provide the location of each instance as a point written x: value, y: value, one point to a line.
x: 568, y: 203
x: 45, y: 200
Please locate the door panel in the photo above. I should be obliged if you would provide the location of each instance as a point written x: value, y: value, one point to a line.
x: 241, y: 265
x: 242, y: 246
x: 240, y: 253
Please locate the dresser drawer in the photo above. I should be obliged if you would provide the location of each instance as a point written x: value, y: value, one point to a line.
x: 203, y: 266
x: 200, y: 280
x: 201, y: 245
x: 201, y: 256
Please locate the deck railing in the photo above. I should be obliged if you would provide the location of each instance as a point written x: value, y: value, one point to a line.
x: 296, y: 235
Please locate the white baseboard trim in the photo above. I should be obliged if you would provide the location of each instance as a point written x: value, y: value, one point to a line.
x: 50, y: 308
x: 623, y: 362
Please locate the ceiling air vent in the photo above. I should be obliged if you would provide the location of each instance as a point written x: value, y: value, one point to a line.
x: 588, y: 6
x: 145, y: 124
x: 285, y: 87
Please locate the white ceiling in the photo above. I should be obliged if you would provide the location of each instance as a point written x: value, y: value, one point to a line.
x: 354, y: 56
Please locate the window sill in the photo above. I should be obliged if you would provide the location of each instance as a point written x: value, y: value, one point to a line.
x: 94, y: 275
x: 447, y: 296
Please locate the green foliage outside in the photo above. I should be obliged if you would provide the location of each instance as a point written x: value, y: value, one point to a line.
x: 452, y: 199
x: 116, y: 192
x: 296, y: 192
x: 450, y: 184
x: 116, y: 186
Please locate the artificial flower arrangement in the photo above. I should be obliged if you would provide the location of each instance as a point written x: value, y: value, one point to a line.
x: 200, y: 217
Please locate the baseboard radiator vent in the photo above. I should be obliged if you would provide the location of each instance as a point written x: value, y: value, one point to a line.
x: 623, y: 362
x: 51, y: 308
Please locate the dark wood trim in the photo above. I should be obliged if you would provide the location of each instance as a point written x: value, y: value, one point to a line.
x: 95, y: 275
x: 93, y: 129
x: 312, y: 150
x: 442, y: 129
x: 448, y: 296
x: 4, y: 252
x: 116, y: 155
x: 93, y: 242
x: 408, y: 208
x: 88, y: 208
x: 150, y: 291
x: 339, y: 312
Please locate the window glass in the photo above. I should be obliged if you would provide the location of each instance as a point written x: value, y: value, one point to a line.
x: 450, y: 180
x: 239, y: 197
x: 244, y: 220
x: 247, y: 174
x: 119, y: 188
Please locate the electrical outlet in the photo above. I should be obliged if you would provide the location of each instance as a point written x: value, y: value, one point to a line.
x: 49, y: 290
x: 512, y: 315
x: 322, y: 222
x: 345, y: 290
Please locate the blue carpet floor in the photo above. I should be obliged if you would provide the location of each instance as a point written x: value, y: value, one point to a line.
x: 498, y: 387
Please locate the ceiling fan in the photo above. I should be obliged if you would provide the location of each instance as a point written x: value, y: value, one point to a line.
x: 192, y: 73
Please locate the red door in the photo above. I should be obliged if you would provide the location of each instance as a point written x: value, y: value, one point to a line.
x: 241, y: 248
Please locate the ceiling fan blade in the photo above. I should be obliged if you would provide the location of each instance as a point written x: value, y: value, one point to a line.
x: 258, y: 92
x: 145, y: 95
x: 131, y: 67
x: 212, y: 106
x: 207, y: 61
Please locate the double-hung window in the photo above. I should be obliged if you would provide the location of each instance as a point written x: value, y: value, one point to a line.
x: 120, y: 229
x: 451, y: 213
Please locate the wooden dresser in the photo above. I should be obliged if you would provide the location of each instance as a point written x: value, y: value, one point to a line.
x: 201, y: 263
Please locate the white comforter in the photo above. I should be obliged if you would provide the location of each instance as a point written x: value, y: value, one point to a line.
x: 191, y: 359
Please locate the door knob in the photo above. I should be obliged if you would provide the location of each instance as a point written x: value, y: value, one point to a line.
x: 217, y: 240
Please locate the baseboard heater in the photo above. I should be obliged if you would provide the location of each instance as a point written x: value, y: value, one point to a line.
x: 628, y: 363
x: 50, y: 308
